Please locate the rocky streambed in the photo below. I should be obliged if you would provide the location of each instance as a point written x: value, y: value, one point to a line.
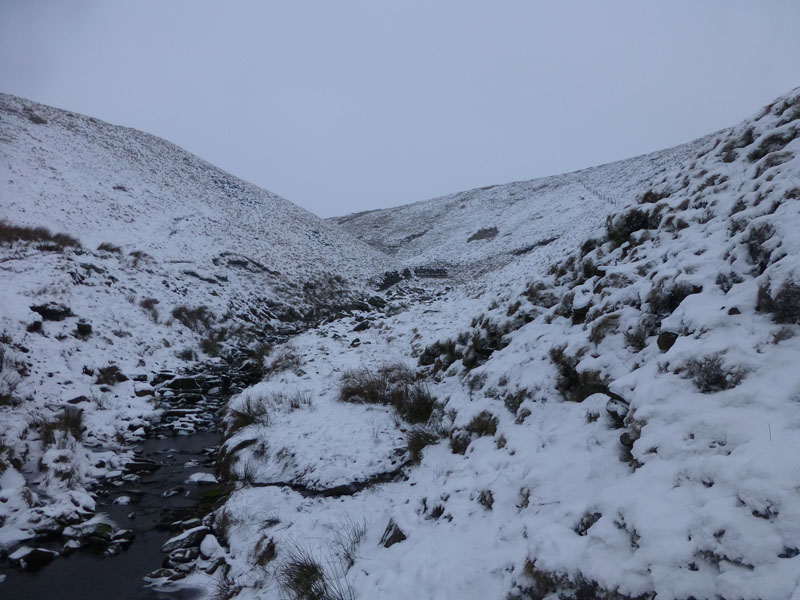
x: 147, y: 531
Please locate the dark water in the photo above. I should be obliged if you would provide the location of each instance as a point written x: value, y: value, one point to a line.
x: 87, y: 576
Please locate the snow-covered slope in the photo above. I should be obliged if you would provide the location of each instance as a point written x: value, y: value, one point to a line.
x: 104, y: 183
x: 469, y: 233
x: 160, y: 260
x: 623, y: 424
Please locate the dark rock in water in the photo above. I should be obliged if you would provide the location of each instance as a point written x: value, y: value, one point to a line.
x: 142, y: 464
x: 184, y: 555
x: 665, y: 340
x: 32, y: 558
x: 393, y: 535
x: 159, y: 574
x: 95, y: 535
x: 83, y: 329
x: 123, y: 537
x: 187, y: 539
x: 52, y: 311
x: 362, y: 326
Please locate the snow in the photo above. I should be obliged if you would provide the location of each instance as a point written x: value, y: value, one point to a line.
x: 705, y: 504
x: 616, y: 465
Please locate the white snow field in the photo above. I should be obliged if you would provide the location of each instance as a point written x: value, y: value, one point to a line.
x: 567, y: 408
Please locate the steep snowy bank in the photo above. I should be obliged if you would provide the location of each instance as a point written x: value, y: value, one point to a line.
x: 623, y: 425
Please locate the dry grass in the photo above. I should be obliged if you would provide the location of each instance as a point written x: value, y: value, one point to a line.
x: 51, y: 241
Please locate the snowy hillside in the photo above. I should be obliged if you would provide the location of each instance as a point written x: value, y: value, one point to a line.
x: 559, y: 405
x: 480, y: 230
x: 104, y: 183
x: 622, y: 424
x: 150, y: 260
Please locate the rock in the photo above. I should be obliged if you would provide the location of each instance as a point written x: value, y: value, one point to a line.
x: 389, y: 279
x: 32, y: 558
x: 202, y: 479
x: 141, y: 392
x: 187, y: 539
x: 665, y: 340
x: 161, y: 377
x: 734, y: 311
x: 142, y: 464
x: 355, y: 343
x: 52, y: 311
x: 70, y: 547
x: 184, y: 555
x: 362, y: 326
x: 392, y: 535
x: 359, y: 306
x: 92, y: 528
x: 220, y: 562
x: 579, y: 314
x: 83, y: 329
x: 185, y: 384
x: 377, y: 301
x: 35, y: 327
x: 617, y: 410
x: 123, y: 537
x: 78, y: 400
x: 159, y: 574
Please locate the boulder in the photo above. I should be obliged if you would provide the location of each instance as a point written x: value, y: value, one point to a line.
x: 32, y: 558
x: 665, y: 340
x: 52, y: 311
x: 187, y: 539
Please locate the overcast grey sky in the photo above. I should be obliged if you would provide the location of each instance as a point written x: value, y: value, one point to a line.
x: 350, y: 105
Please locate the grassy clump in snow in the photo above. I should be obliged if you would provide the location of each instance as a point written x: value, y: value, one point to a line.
x: 417, y: 439
x: 393, y: 385
x: 69, y: 422
x: 197, y: 319
x: 485, y: 233
x: 784, y: 304
x: 250, y: 411
x: 710, y: 374
x: 50, y: 241
x: 9, y: 377
x: 482, y: 424
x: 149, y: 304
x: 286, y: 359
x: 110, y: 375
x: 619, y: 229
x: 109, y: 247
x: 225, y: 588
x: 302, y: 577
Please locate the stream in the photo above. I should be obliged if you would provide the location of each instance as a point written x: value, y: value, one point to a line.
x: 158, y: 505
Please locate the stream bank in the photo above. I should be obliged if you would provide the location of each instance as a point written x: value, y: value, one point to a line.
x: 166, y: 489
